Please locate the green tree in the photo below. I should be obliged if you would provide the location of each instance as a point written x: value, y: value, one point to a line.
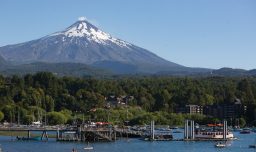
x: 9, y: 113
x: 56, y: 118
x: 1, y: 115
x: 242, y: 122
x: 49, y: 103
x: 28, y: 119
x: 245, y: 93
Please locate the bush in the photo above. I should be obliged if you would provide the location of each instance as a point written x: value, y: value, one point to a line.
x: 56, y: 118
x: 242, y: 122
x: 143, y: 119
x: 1, y: 115
x: 28, y: 119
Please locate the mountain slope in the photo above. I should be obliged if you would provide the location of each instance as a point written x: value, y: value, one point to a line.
x: 84, y: 43
x: 60, y: 69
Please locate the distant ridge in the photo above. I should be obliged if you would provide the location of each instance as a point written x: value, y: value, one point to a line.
x: 233, y: 72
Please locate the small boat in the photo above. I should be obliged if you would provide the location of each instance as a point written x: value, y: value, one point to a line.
x: 88, y: 147
x: 252, y: 146
x: 177, y: 131
x: 74, y: 150
x: 220, y: 145
x: 31, y: 138
x: 174, y: 127
x: 245, y: 131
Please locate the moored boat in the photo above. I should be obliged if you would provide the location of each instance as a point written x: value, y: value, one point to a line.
x: 253, y: 145
x: 88, y: 147
x: 213, y: 132
x: 26, y: 138
x: 245, y: 131
x: 213, y: 135
x: 159, y: 135
x: 220, y: 145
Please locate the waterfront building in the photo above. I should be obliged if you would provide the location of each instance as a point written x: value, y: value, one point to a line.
x: 229, y: 111
x: 190, y: 109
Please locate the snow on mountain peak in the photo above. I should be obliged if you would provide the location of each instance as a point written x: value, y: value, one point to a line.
x: 82, y: 28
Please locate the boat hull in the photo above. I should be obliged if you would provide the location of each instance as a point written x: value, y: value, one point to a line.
x: 213, y: 135
x: 25, y: 138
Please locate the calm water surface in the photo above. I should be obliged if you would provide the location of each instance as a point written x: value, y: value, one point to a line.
x: 132, y: 145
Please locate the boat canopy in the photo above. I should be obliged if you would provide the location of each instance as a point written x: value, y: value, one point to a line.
x: 215, y: 125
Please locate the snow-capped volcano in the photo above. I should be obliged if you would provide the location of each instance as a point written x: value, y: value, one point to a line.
x: 83, y: 42
x: 82, y: 28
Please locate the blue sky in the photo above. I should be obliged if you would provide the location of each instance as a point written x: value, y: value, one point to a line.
x: 194, y: 33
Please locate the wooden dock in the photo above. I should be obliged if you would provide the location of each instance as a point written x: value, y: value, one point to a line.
x: 87, y: 134
x: 120, y: 132
x: 68, y: 134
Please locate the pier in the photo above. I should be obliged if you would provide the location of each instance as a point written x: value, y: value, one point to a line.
x: 86, y: 133
x: 67, y: 134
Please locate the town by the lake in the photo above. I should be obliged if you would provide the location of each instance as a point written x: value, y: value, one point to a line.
x: 127, y: 76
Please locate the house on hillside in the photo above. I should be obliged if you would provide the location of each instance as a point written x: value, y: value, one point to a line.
x: 117, y: 101
x: 190, y: 109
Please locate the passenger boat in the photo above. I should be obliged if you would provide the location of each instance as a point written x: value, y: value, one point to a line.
x: 213, y: 135
x: 212, y: 131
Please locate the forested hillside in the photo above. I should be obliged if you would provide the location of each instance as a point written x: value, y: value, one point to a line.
x: 60, y: 100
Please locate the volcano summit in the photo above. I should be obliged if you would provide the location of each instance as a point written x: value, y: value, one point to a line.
x: 84, y: 43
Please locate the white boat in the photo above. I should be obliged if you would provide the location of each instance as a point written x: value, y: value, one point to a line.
x: 88, y: 147
x: 212, y: 135
x: 220, y: 145
x: 213, y: 131
x: 36, y: 123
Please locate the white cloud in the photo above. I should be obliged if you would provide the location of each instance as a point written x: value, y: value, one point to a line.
x: 82, y: 18
x: 92, y: 21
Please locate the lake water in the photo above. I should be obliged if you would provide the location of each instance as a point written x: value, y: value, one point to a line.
x: 131, y: 145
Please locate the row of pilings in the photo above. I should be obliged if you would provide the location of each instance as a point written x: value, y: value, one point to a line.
x: 189, y: 130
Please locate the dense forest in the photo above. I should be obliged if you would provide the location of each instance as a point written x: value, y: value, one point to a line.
x: 60, y: 100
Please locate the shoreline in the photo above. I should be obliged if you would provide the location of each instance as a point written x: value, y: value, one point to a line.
x: 22, y: 134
